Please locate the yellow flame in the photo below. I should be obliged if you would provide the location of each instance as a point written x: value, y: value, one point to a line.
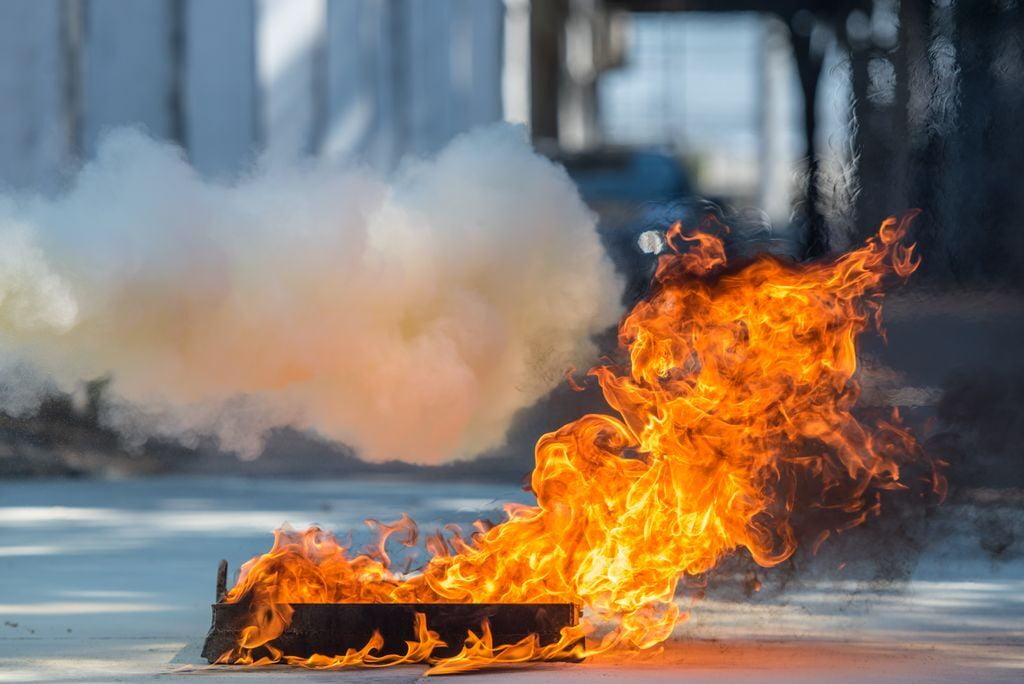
x: 734, y: 411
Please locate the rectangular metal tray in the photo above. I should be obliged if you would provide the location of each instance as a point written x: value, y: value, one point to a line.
x: 333, y: 628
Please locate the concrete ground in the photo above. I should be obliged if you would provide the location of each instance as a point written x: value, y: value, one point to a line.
x: 111, y: 581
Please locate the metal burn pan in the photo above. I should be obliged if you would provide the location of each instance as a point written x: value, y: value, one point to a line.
x: 333, y: 628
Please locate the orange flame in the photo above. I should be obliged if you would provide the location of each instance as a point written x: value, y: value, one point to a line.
x: 417, y: 651
x: 734, y: 413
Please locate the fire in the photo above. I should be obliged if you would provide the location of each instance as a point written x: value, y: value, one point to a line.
x: 417, y: 652
x: 734, y: 416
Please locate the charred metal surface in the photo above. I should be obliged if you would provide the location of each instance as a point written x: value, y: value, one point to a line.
x: 333, y: 628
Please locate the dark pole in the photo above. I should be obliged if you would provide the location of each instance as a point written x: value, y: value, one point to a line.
x: 72, y: 27
x: 547, y: 31
x: 809, y: 64
x: 176, y: 97
x: 868, y: 143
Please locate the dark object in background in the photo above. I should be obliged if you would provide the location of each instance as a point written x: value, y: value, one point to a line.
x: 639, y: 194
x: 333, y: 628
x: 626, y: 176
x: 981, y: 419
x: 627, y: 188
x: 942, y: 132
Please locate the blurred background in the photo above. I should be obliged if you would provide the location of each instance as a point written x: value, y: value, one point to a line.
x: 826, y: 116
x: 811, y: 121
x: 807, y: 121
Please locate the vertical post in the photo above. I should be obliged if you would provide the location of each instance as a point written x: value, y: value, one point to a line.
x: 318, y: 88
x: 176, y: 95
x: 219, y: 85
x: 762, y: 108
x: 547, y: 31
x: 515, y: 78
x: 290, y: 64
x: 398, y: 30
x: 981, y: 220
x: 222, y: 580
x: 582, y: 45
x: 71, y: 29
x: 866, y: 141
x: 809, y: 65
x: 923, y: 167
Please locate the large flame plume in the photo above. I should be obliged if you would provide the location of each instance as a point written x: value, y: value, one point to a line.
x: 734, y: 416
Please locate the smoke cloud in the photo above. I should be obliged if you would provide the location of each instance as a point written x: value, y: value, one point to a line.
x: 410, y: 318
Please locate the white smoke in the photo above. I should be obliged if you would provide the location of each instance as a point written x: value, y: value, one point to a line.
x: 409, y: 318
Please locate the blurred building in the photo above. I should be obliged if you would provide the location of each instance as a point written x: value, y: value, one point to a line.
x: 378, y: 79
x: 827, y: 115
x: 722, y: 89
x: 228, y: 79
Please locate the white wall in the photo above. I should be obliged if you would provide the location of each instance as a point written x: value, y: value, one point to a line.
x: 230, y: 79
x: 127, y: 68
x: 477, y: 56
x: 222, y: 120
x: 405, y: 76
x: 290, y: 44
x: 362, y: 106
x: 33, y: 144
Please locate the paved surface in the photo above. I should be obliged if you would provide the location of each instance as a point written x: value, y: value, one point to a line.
x: 111, y: 581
